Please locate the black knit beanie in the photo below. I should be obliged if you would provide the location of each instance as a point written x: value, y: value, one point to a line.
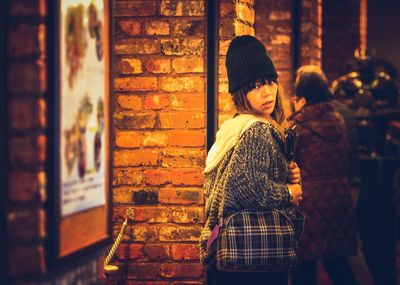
x: 246, y: 61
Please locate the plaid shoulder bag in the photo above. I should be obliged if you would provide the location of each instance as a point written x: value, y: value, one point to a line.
x: 252, y: 240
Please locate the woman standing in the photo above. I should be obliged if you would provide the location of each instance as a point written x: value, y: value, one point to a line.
x: 246, y: 167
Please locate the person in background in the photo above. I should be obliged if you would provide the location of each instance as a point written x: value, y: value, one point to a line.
x: 246, y: 168
x: 321, y: 151
x: 357, y: 262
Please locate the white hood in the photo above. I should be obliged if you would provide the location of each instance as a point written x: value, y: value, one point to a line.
x: 227, y: 137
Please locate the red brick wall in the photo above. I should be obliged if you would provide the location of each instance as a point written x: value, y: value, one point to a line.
x: 26, y: 84
x: 26, y: 195
x: 159, y: 142
x: 341, y: 35
x: 311, y: 32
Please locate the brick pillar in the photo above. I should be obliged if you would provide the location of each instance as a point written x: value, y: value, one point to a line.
x: 236, y: 18
x: 274, y: 27
x: 159, y: 142
x: 26, y: 83
x: 311, y: 32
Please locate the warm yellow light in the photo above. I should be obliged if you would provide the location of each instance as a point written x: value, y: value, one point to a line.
x: 68, y: 3
x: 363, y: 28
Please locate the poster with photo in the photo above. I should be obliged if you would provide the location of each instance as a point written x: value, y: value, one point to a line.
x: 83, y: 99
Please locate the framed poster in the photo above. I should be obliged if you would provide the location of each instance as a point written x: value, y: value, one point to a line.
x: 82, y: 109
x: 82, y: 127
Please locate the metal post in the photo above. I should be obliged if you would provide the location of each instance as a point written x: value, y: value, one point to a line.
x: 212, y: 68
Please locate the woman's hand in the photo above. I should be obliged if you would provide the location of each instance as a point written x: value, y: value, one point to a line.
x: 296, y: 194
x: 294, y: 173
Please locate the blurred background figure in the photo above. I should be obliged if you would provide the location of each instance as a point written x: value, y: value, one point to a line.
x: 322, y: 153
x: 369, y: 91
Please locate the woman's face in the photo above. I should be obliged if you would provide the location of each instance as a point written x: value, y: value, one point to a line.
x: 263, y: 97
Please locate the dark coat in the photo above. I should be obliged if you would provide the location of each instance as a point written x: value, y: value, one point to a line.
x: 352, y: 131
x: 321, y: 151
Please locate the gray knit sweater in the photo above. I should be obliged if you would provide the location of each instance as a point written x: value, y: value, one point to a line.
x: 252, y: 175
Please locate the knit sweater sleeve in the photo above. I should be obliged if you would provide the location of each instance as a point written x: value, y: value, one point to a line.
x: 249, y: 184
